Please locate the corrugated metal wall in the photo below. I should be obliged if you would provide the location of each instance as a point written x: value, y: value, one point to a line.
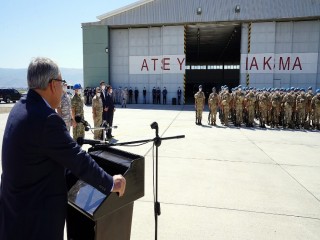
x: 155, y: 41
x: 184, y: 11
x: 282, y: 38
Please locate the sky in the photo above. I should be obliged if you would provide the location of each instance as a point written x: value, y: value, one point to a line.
x: 47, y: 28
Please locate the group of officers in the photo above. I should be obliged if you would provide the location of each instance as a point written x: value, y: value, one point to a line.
x: 293, y: 108
x: 103, y: 109
x: 125, y: 95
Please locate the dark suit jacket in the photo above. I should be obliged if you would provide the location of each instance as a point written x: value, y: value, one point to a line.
x: 37, y: 148
x: 103, y: 97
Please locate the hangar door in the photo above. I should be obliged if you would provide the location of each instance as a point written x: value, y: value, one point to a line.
x: 212, y: 56
x: 148, y: 57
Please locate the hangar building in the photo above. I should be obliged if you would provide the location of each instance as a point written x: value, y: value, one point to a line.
x: 172, y: 43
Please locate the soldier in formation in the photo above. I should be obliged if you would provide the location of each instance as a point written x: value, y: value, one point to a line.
x: 64, y: 110
x: 213, y: 102
x: 288, y: 108
x: 199, y: 105
x: 77, y: 110
x: 97, y: 110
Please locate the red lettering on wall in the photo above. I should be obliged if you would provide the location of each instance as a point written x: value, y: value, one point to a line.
x: 165, y: 64
x: 144, y: 65
x: 154, y: 63
x: 297, y: 63
x: 180, y: 63
x: 286, y: 66
x: 254, y: 63
x: 266, y: 63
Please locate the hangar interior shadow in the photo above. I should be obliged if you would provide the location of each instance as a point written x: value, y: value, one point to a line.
x: 212, y: 57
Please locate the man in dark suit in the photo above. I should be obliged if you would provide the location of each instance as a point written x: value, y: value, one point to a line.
x: 37, y: 149
x: 103, y: 97
x: 109, y: 106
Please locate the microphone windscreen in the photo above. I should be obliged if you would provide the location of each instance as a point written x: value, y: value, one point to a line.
x: 78, y: 119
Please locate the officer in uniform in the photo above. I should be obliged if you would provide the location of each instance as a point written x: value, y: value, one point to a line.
x: 288, y: 105
x: 263, y: 108
x: 238, y: 105
x: 275, y: 108
x: 77, y: 110
x: 179, y: 93
x: 64, y: 110
x: 154, y: 95
x: 199, y: 105
x: 250, y: 100
x: 97, y: 110
x: 315, y: 104
x: 309, y: 115
x: 301, y: 103
x: 213, y: 101
x: 225, y: 105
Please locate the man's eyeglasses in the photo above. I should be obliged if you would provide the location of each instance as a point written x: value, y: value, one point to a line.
x: 59, y: 80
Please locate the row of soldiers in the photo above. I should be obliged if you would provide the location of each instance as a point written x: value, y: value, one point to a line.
x: 289, y: 108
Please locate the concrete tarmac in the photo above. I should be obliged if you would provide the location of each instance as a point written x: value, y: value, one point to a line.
x: 221, y: 182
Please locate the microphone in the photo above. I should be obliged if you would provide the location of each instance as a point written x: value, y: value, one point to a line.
x: 82, y: 141
x: 79, y: 119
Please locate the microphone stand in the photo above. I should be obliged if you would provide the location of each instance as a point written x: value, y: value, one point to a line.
x: 157, y: 142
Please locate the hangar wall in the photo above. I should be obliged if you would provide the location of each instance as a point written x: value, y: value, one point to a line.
x: 95, y: 58
x: 292, y: 49
x: 154, y: 42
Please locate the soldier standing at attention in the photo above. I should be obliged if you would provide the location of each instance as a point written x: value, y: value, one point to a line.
x: 154, y: 94
x: 250, y: 100
x: 130, y: 95
x: 144, y: 92
x: 309, y: 116
x: 263, y: 108
x: 213, y: 101
x: 276, y: 104
x: 164, y: 95
x: 136, y: 95
x: 288, y: 102
x: 301, y: 103
x: 315, y: 104
x: 158, y: 94
x: 64, y: 110
x: 124, y: 96
x: 238, y: 101
x: 199, y: 105
x: 179, y: 93
x: 225, y: 105
x: 77, y: 110
x: 97, y: 110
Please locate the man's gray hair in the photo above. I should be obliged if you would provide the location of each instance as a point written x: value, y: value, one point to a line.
x: 40, y: 71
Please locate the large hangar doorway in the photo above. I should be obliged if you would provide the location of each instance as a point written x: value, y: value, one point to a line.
x: 212, y: 57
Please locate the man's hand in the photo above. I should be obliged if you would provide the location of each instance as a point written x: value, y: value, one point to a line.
x: 119, y: 184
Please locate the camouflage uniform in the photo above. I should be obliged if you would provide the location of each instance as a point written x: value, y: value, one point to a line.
x: 238, y: 101
x: 288, y: 102
x: 225, y: 105
x: 199, y: 105
x: 213, y: 106
x: 309, y: 116
x: 97, y: 110
x: 65, y: 107
x: 263, y: 109
x: 275, y: 104
x: 77, y: 107
x: 315, y: 103
x: 250, y: 100
x: 301, y: 104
